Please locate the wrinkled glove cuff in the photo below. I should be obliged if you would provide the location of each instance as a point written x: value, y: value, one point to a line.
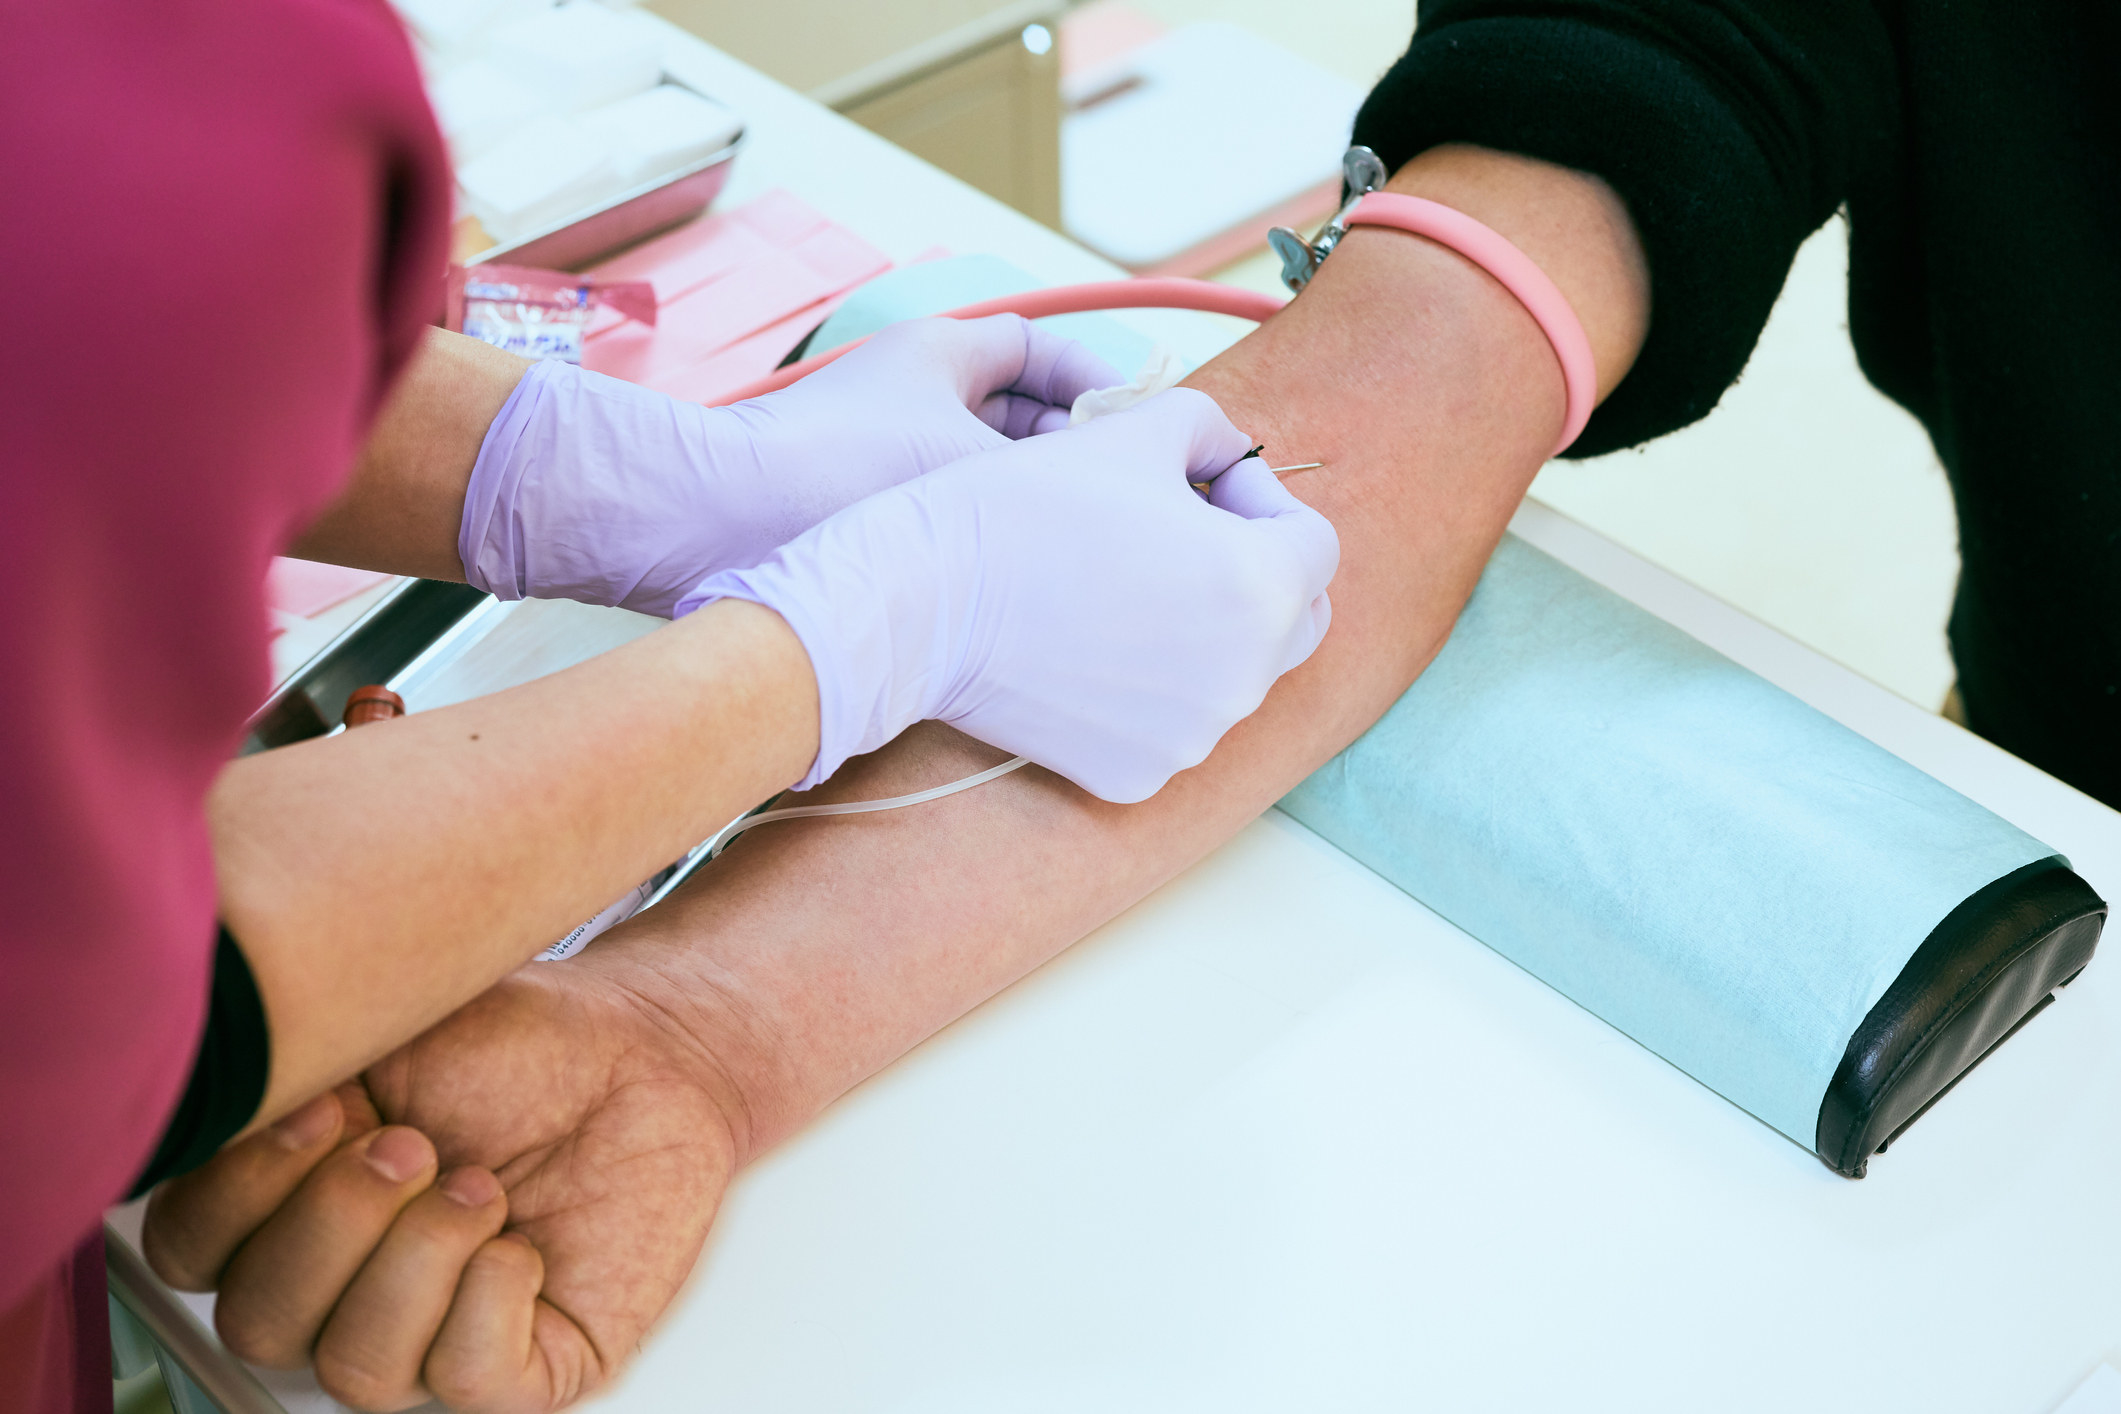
x: 489, y: 535
x: 848, y: 637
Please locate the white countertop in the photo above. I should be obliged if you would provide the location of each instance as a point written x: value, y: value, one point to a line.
x: 1280, y: 1139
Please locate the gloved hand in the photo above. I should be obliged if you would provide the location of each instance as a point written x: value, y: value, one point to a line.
x: 1069, y: 598
x: 591, y: 488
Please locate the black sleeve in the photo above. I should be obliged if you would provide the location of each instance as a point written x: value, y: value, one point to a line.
x: 1732, y: 129
x: 227, y: 1076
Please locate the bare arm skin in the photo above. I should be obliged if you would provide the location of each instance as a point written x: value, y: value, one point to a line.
x: 455, y: 844
x: 401, y: 507
x: 1433, y: 399
x: 598, y: 1107
x: 379, y: 879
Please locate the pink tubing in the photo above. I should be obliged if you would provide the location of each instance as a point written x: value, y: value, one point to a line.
x: 1160, y: 293
x: 1542, y: 299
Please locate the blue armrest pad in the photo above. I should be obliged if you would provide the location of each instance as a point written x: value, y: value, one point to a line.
x: 932, y: 286
x: 1686, y: 850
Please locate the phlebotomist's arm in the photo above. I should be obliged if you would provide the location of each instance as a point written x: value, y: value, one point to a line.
x: 502, y: 823
x: 377, y: 880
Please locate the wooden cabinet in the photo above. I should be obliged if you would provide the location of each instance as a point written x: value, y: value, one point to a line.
x: 972, y: 86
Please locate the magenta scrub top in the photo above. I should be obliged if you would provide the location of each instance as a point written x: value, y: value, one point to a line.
x: 224, y: 226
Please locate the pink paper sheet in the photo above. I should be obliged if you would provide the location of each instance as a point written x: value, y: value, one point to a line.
x: 305, y: 588
x: 727, y: 281
x: 745, y: 360
x: 679, y: 262
x: 737, y: 290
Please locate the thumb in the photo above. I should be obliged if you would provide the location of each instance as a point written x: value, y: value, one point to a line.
x: 1006, y: 354
x: 1017, y: 415
x: 1250, y: 490
x: 1058, y: 370
x: 1184, y: 420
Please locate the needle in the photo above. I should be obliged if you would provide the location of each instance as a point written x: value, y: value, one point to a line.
x: 1202, y: 486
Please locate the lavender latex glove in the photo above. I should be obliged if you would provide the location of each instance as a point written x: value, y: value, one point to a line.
x: 1069, y: 598
x: 590, y: 488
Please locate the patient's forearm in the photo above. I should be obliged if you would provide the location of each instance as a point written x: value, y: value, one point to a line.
x: 814, y: 953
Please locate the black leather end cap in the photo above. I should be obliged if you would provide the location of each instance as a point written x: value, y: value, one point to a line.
x: 1987, y: 969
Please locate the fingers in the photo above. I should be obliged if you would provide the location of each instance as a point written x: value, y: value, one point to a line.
x: 1187, y: 422
x: 488, y: 1354
x: 1036, y: 369
x: 1018, y: 415
x: 1058, y: 370
x: 376, y: 1341
x: 282, y: 1284
x: 194, y: 1223
x: 1250, y: 490
x: 1017, y: 378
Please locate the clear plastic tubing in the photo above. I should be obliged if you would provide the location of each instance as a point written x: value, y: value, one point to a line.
x: 859, y: 807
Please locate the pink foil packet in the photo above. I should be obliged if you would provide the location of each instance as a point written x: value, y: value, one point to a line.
x: 539, y: 313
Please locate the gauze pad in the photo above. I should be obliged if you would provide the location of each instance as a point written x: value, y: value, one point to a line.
x: 1159, y: 374
x: 551, y: 168
x: 656, y: 133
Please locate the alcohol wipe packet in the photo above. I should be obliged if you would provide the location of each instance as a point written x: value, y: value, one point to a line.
x: 539, y: 313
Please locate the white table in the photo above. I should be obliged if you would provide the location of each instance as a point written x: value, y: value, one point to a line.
x: 1280, y: 1139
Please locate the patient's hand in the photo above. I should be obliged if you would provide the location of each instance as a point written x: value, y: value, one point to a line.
x: 611, y: 1131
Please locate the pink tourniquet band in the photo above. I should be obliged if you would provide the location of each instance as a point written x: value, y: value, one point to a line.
x: 1542, y: 299
x: 1142, y: 292
x: 1512, y: 267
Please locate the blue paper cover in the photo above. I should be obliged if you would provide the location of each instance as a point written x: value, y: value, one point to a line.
x: 1720, y: 871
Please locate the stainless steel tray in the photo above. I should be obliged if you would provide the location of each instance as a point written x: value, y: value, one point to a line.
x: 633, y: 215
x: 414, y: 617
x: 437, y: 643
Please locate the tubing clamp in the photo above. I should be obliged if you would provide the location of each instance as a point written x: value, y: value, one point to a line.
x: 1361, y: 172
